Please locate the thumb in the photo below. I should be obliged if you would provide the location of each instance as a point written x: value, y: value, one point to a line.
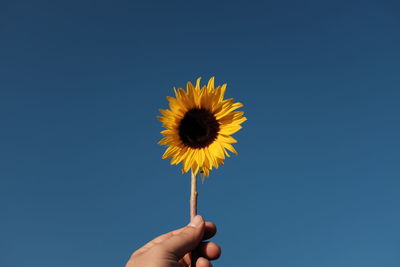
x: 187, y: 239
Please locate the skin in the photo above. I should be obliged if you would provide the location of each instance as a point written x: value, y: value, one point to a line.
x: 173, y: 249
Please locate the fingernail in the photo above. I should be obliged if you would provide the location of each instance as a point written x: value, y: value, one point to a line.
x: 196, y: 221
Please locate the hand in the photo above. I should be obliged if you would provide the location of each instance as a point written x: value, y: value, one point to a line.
x: 173, y: 249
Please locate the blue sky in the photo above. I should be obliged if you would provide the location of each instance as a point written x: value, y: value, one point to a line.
x: 317, y: 179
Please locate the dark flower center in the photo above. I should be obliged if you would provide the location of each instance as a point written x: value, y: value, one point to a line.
x: 198, y: 128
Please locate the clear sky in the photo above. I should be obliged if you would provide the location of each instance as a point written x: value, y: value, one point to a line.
x: 317, y: 179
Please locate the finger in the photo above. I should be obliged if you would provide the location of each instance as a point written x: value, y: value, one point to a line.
x: 165, y: 236
x: 211, y: 230
x: 203, y: 262
x: 210, y: 250
x: 182, y: 263
x: 158, y: 240
x: 187, y: 239
x: 186, y: 260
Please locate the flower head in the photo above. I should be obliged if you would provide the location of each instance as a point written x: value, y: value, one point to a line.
x: 199, y: 124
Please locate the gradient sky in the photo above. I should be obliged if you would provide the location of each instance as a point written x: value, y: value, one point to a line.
x: 317, y: 179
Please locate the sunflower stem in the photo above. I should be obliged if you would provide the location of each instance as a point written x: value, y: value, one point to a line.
x: 193, y: 212
x: 193, y: 196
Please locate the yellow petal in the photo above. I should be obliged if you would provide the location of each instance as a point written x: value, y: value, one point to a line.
x: 200, y: 157
x: 230, y: 148
x: 217, y: 150
x: 229, y: 129
x: 179, y: 156
x: 195, y: 168
x: 205, y: 99
x: 226, y: 139
x: 210, y: 84
x: 198, y: 83
x: 210, y: 157
x: 188, y: 161
x: 239, y: 121
x: 225, y: 111
x: 169, y: 152
x: 207, y: 160
x: 167, y: 132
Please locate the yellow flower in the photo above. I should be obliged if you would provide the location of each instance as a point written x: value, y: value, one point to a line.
x: 199, y: 125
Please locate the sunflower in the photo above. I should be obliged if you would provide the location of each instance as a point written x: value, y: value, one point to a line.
x: 199, y: 124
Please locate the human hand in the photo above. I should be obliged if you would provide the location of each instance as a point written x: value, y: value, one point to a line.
x: 173, y: 249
